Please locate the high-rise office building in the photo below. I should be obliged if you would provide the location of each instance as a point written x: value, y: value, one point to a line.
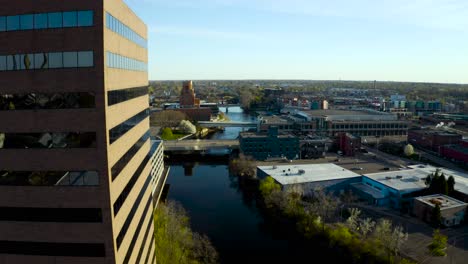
x: 76, y: 183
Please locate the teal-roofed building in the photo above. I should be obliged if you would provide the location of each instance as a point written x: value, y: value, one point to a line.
x: 262, y: 146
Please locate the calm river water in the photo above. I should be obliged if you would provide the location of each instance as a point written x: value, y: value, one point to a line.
x: 221, y: 210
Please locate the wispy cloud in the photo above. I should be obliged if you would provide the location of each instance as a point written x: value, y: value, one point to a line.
x: 436, y: 14
x: 203, y: 33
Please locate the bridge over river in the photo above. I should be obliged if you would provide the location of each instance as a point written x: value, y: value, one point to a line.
x: 228, y: 124
x: 200, y: 145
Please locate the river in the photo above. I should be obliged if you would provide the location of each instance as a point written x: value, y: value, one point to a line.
x: 219, y: 208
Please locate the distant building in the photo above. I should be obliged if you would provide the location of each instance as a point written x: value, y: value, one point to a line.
x: 314, y: 147
x: 262, y: 146
x: 349, y: 145
x: 197, y: 114
x: 330, y: 123
x: 187, y: 96
x: 190, y: 105
x: 452, y: 210
x: 456, y: 153
x: 433, y: 139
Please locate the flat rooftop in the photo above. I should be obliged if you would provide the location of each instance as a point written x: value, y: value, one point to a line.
x: 332, y: 112
x: 413, y: 178
x: 445, y: 202
x: 263, y: 135
x: 402, y: 180
x: 363, y: 164
x: 295, y: 173
x: 274, y: 119
x: 352, y: 115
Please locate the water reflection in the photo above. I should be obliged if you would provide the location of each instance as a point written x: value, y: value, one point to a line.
x: 235, y: 114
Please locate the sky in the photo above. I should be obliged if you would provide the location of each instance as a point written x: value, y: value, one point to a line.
x: 384, y: 40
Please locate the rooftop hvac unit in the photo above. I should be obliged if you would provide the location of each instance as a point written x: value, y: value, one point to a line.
x: 301, y: 171
x: 388, y: 177
x: 399, y: 177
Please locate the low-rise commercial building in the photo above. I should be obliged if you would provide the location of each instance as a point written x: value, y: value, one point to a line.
x: 310, y: 177
x: 452, y: 211
x: 332, y: 122
x: 262, y: 146
x: 396, y: 188
x: 433, y: 140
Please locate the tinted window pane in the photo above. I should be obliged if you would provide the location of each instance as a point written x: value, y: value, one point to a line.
x: 3, y: 66
x: 70, y: 59
x: 85, y: 18
x: 19, y: 62
x: 55, y: 20
x: 40, y: 61
x: 85, y: 59
x: 13, y: 23
x: 40, y: 21
x: 55, y: 60
x: 28, y: 61
x: 26, y: 22
x: 2, y: 23
x: 10, y: 62
x: 69, y: 19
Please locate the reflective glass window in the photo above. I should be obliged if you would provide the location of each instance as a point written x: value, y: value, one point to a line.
x: 37, y: 101
x: 2, y: 23
x: 26, y: 22
x: 48, y: 140
x: 70, y: 59
x: 3, y: 65
x: 69, y: 19
x: 85, y: 59
x: 55, y: 60
x: 85, y: 18
x: 13, y: 23
x: 40, y: 21
x: 55, y: 20
x: 19, y: 62
x: 27, y: 61
x: 41, y: 61
x: 10, y: 62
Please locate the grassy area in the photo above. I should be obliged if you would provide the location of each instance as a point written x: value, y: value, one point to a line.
x: 173, y: 137
x: 168, y: 134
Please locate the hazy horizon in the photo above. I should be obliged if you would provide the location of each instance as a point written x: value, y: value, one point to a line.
x: 402, y: 41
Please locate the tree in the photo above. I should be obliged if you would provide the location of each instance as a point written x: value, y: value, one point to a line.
x: 175, y: 241
x: 353, y: 220
x: 439, y: 244
x: 172, y: 234
x: 246, y: 97
x: 203, y: 250
x: 436, y: 216
x: 268, y: 186
x: 451, y: 185
x: 390, y: 238
x: 243, y: 166
x: 409, y: 150
x: 443, y: 186
x: 187, y: 127
x: 323, y: 204
x: 366, y: 226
